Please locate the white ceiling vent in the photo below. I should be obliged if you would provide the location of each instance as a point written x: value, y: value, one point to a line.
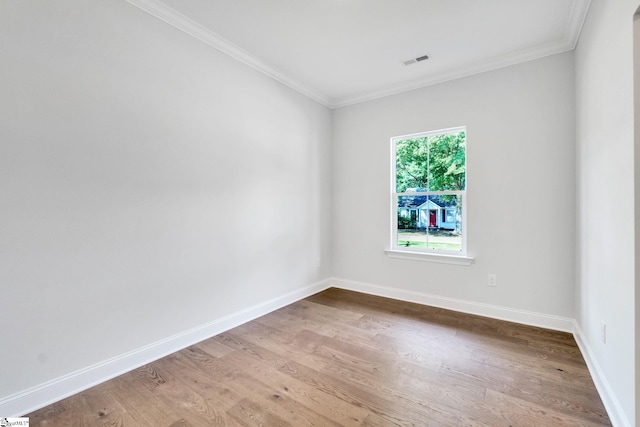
x: 415, y: 60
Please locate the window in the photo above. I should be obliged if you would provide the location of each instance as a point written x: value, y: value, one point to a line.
x: 429, y: 180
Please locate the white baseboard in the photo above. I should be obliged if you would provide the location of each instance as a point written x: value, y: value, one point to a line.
x: 611, y: 403
x: 52, y: 391
x: 564, y: 324
x: 531, y: 318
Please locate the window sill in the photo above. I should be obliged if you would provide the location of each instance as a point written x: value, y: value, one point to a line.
x: 430, y: 257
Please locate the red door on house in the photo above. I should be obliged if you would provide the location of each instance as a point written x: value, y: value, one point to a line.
x: 432, y: 219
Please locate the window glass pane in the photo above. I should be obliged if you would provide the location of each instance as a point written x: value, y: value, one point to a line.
x: 446, y: 162
x: 412, y: 222
x: 444, y: 225
x: 412, y: 156
x: 430, y: 163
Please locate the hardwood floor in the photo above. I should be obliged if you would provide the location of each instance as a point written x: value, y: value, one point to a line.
x: 341, y: 358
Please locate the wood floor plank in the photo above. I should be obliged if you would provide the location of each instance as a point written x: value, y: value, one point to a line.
x: 523, y: 413
x: 330, y: 407
x: 214, y: 390
x: 392, y: 411
x: 341, y: 358
x: 194, y: 401
x: 175, y: 398
x: 74, y: 414
x: 278, y: 401
x: 426, y: 352
x: 136, y: 404
x: 248, y: 413
x: 286, y: 349
x: 214, y: 348
x: 553, y: 371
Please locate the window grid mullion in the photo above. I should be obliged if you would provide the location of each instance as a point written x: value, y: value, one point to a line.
x: 430, y: 219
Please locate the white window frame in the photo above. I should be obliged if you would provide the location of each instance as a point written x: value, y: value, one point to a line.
x: 424, y: 254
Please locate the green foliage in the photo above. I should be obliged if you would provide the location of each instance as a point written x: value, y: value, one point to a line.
x: 412, y: 164
x: 432, y: 163
x: 405, y: 222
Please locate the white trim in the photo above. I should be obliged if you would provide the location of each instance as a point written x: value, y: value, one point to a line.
x: 578, y: 15
x: 424, y: 254
x: 183, y: 23
x: 455, y: 74
x: 75, y: 382
x: 564, y: 324
x: 176, y: 19
x: 52, y: 391
x: 548, y: 321
x: 431, y: 193
x: 611, y: 403
x: 579, y: 12
x: 445, y: 131
x: 430, y: 257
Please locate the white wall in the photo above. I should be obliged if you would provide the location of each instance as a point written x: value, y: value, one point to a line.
x: 605, y: 150
x: 636, y: 155
x: 148, y: 184
x: 521, y: 183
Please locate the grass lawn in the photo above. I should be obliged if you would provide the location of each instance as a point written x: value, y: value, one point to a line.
x: 445, y: 246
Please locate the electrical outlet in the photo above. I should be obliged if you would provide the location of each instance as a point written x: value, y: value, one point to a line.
x: 603, y: 332
x: 492, y: 280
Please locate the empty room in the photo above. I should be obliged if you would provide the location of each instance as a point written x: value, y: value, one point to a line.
x: 339, y: 212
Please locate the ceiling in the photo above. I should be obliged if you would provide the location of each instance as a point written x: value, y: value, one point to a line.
x: 341, y: 52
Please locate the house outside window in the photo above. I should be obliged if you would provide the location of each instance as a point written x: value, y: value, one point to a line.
x: 428, y: 200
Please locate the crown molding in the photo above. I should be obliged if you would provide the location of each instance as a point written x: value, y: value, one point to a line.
x: 579, y: 11
x: 458, y: 73
x: 192, y: 28
x: 156, y: 8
